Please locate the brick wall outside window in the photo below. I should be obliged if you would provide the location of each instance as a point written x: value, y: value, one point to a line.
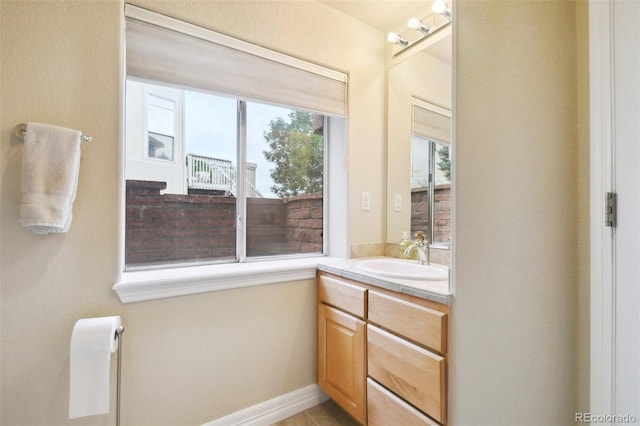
x: 441, y: 213
x: 170, y: 228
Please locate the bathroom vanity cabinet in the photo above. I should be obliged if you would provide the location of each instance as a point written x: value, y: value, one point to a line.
x: 382, y: 355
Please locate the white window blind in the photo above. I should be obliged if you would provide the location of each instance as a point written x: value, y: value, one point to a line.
x: 165, y: 49
x: 432, y: 122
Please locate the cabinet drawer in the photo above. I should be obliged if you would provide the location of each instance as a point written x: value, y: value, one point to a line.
x: 410, y: 371
x: 342, y: 294
x: 384, y: 409
x: 425, y: 326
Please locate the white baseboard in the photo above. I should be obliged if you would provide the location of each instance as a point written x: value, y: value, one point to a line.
x: 279, y: 408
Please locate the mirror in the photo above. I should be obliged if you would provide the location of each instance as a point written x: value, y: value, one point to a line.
x: 419, y: 97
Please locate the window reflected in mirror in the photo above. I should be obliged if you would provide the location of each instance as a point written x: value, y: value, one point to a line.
x: 431, y: 173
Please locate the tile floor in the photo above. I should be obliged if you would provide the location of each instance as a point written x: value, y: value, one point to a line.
x: 325, y: 414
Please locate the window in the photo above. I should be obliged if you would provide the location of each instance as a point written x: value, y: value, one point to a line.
x: 431, y: 189
x: 234, y: 165
x: 161, y: 118
x: 168, y: 222
x: 431, y: 172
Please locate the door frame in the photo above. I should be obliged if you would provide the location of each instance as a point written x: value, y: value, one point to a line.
x: 602, y: 238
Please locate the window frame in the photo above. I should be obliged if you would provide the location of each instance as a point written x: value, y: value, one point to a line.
x: 433, y: 156
x: 169, y: 281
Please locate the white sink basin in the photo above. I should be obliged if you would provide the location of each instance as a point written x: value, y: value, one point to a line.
x: 404, y: 269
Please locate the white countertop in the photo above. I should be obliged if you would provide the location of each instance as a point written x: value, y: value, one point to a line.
x: 437, y: 291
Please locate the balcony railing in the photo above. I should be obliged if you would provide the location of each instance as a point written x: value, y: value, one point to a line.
x: 214, y: 174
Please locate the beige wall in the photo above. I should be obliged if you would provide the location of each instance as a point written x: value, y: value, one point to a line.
x: 521, y: 111
x: 191, y: 359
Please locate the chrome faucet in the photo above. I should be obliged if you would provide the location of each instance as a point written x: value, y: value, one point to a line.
x: 421, y: 245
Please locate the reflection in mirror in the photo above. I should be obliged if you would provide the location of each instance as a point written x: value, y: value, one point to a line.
x: 419, y: 136
x: 431, y: 173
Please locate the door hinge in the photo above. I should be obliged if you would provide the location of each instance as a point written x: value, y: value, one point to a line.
x: 610, y: 209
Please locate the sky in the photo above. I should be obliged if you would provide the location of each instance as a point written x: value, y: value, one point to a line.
x: 210, y: 130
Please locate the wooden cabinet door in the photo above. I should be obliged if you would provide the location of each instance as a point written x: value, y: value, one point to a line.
x: 341, y: 359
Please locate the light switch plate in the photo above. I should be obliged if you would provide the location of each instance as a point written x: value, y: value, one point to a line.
x: 365, y: 200
x: 397, y: 202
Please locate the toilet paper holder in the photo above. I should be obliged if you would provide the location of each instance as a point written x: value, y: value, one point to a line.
x: 118, y: 337
x: 93, y: 342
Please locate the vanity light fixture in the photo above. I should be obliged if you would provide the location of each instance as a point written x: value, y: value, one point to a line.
x: 397, y: 39
x: 416, y: 24
x: 407, y: 38
x: 441, y: 8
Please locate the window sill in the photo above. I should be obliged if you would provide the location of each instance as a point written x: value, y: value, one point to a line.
x: 139, y: 286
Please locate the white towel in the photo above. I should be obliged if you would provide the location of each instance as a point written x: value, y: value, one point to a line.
x: 50, y: 166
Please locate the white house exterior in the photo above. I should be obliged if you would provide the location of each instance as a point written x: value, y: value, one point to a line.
x: 155, y: 145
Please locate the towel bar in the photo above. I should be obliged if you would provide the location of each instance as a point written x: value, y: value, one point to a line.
x: 21, y: 132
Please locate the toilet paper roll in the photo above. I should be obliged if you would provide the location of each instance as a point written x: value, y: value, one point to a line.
x: 92, y: 342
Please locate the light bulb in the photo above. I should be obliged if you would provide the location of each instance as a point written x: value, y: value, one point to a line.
x: 439, y: 7
x: 396, y: 39
x: 416, y: 24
